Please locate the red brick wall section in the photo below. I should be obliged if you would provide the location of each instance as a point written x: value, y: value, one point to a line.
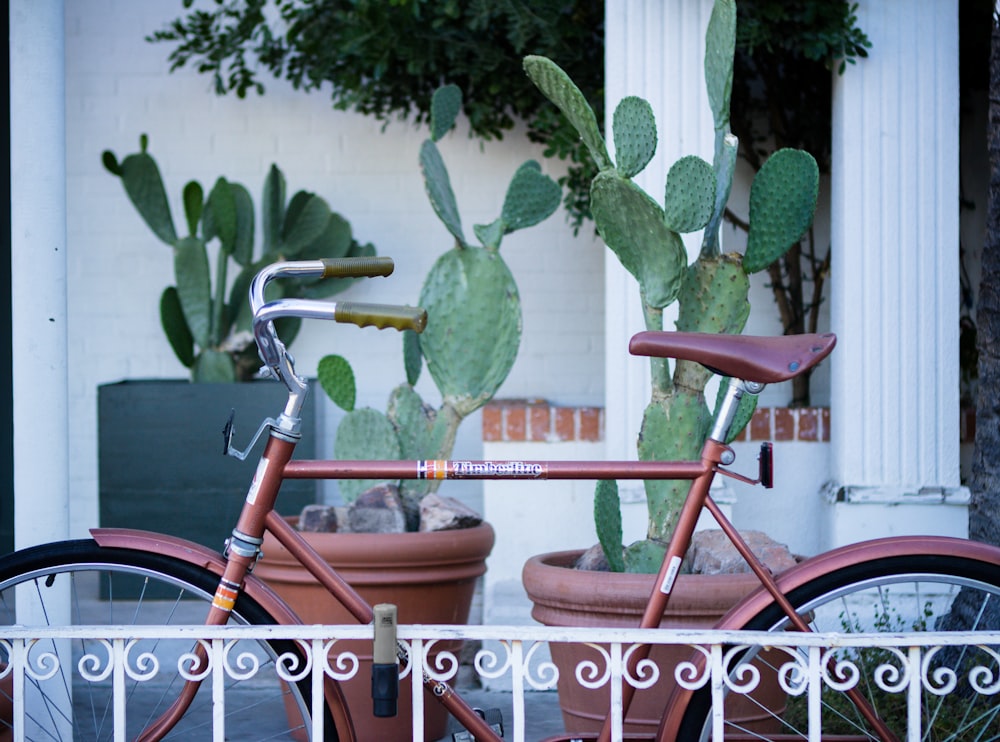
x: 808, y: 424
x: 518, y: 420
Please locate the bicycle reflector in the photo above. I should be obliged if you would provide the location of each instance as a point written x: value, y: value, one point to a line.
x: 766, y: 460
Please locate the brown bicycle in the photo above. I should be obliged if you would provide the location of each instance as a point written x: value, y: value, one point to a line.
x: 898, y: 584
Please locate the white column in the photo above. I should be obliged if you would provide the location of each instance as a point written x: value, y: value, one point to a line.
x: 654, y: 49
x: 894, y: 284
x: 38, y: 270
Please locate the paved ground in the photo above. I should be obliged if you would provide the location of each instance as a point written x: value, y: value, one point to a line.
x: 541, y: 711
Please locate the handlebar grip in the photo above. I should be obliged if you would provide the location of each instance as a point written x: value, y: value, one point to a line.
x: 357, y: 267
x: 382, y: 315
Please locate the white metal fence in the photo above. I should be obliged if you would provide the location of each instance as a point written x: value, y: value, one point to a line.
x: 906, y: 667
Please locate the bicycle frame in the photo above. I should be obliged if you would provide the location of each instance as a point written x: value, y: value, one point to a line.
x: 275, y: 465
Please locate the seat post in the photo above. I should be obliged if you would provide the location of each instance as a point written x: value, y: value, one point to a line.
x: 730, y: 403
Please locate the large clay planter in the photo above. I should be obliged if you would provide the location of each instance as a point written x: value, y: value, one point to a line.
x: 430, y: 577
x: 564, y: 596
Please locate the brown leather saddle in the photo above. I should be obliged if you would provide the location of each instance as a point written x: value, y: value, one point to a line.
x: 764, y: 360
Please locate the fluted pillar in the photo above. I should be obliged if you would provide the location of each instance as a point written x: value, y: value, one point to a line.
x: 895, y: 282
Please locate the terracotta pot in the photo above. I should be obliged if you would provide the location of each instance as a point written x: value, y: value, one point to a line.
x: 570, y: 597
x: 430, y: 576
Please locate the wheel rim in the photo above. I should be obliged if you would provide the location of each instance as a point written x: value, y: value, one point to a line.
x: 917, y: 601
x: 90, y: 593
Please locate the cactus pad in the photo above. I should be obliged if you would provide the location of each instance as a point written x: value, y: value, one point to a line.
x: 782, y: 203
x: 175, y: 327
x: 473, y: 325
x: 144, y: 186
x: 364, y: 434
x: 305, y: 221
x: 713, y: 296
x: 337, y: 379
x: 634, y: 128
x: 422, y: 432
x: 690, y: 195
x: 672, y: 430
x: 413, y: 361
x: 272, y: 208
x: 445, y: 105
x: 644, y: 557
x: 439, y: 191
x: 194, y: 288
x: 632, y: 225
x: 531, y: 197
x: 220, y: 216
x: 557, y: 86
x: 213, y: 367
x: 194, y: 200
x: 608, y: 520
x: 720, y: 46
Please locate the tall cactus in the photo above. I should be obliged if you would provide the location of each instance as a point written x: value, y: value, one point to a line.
x: 712, y: 291
x: 473, y: 322
x: 209, y: 329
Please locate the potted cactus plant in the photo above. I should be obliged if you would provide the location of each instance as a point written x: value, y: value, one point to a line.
x: 469, y: 346
x: 208, y: 327
x: 711, y: 294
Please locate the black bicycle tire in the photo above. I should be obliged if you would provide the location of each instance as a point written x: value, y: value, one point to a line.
x: 699, y: 707
x: 87, y: 552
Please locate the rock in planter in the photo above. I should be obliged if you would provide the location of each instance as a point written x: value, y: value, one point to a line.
x: 711, y: 553
x: 378, y: 510
x: 446, y: 514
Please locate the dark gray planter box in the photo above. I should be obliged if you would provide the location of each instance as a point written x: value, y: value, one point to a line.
x: 160, y: 458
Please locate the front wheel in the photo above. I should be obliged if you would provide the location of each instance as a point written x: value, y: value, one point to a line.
x: 81, y: 583
x: 899, y: 594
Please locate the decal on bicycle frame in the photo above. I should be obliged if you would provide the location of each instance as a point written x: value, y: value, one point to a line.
x: 225, y: 595
x: 258, y: 477
x: 668, y: 580
x: 437, y: 469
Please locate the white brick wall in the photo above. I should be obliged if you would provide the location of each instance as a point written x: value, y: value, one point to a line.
x: 118, y: 87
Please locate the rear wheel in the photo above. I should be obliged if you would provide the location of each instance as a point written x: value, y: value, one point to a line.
x: 900, y: 594
x: 81, y: 583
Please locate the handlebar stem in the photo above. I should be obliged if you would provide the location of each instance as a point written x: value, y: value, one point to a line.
x: 272, y: 351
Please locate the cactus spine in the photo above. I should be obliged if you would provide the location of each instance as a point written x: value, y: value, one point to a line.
x: 473, y: 317
x: 209, y: 329
x: 712, y: 291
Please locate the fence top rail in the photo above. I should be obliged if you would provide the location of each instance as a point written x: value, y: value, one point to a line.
x: 427, y: 632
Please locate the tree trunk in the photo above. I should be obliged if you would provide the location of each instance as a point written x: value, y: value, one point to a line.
x: 984, y: 510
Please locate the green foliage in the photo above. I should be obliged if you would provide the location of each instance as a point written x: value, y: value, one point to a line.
x: 711, y: 292
x: 473, y: 318
x: 385, y: 59
x: 208, y: 331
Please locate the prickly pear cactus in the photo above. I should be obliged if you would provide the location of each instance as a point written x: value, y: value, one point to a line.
x: 208, y: 329
x: 711, y: 292
x: 473, y: 311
